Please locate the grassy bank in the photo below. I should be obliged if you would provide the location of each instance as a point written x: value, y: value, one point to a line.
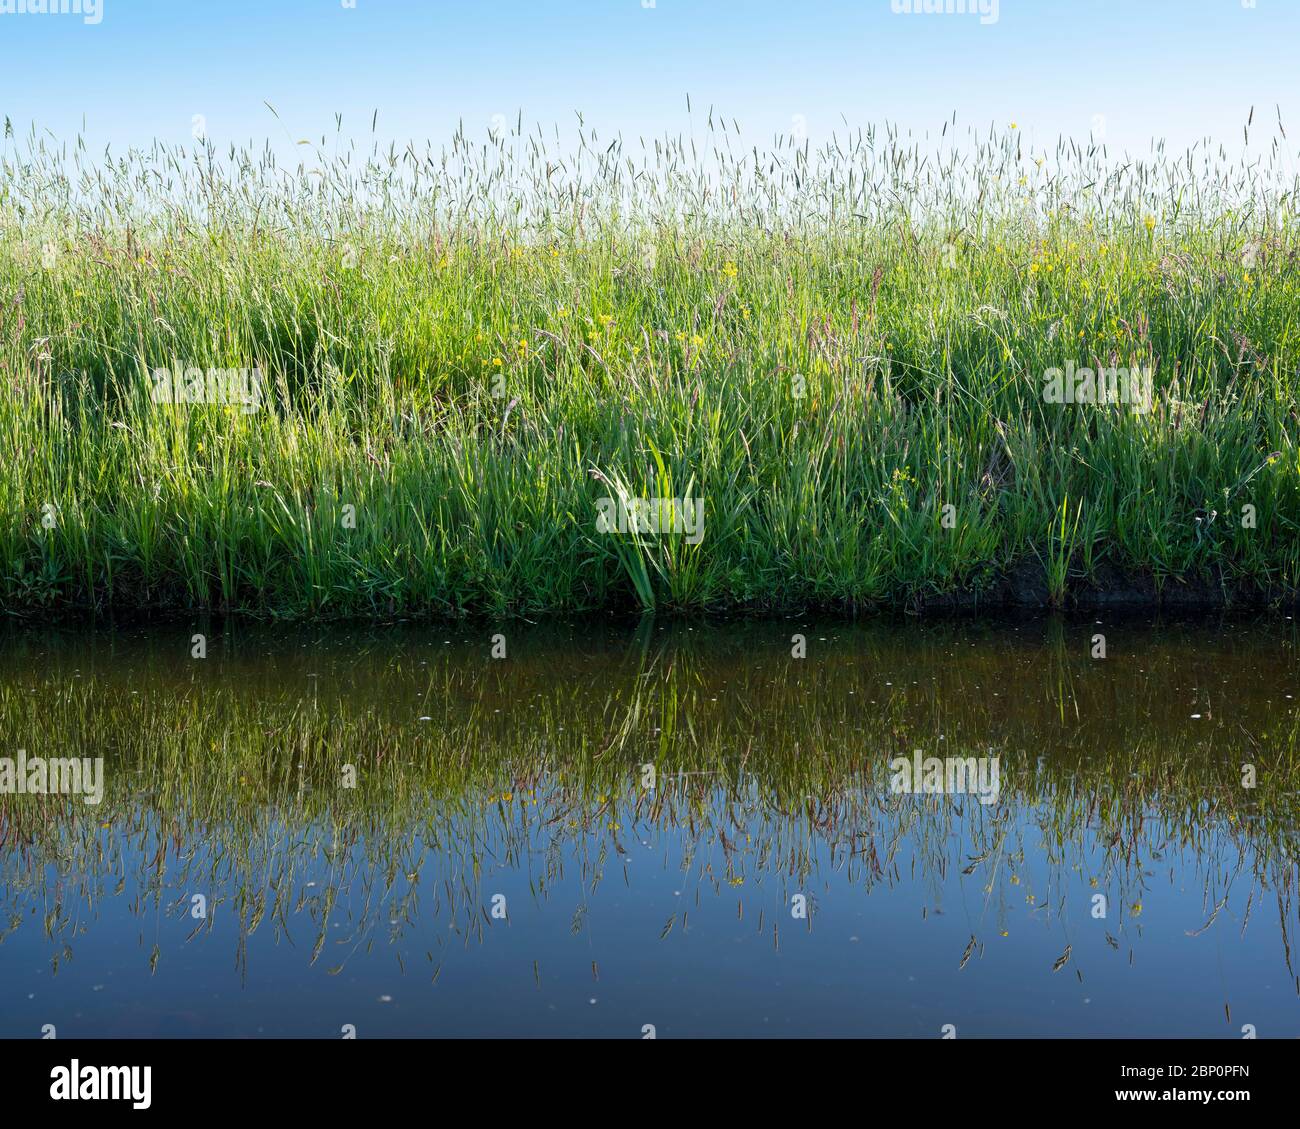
x: 841, y: 354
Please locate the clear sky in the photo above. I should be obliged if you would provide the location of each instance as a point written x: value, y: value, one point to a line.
x: 1178, y: 69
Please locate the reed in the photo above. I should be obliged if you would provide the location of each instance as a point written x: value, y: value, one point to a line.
x: 842, y: 352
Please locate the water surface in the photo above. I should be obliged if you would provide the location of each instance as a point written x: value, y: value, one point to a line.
x: 392, y: 831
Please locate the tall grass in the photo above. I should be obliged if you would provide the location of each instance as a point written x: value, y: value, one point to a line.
x: 470, y: 345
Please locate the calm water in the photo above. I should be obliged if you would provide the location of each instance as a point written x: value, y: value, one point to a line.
x: 396, y: 831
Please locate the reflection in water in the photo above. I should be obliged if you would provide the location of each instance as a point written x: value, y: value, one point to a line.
x: 397, y: 832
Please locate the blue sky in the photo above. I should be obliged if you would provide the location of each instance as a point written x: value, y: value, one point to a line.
x: 1177, y: 69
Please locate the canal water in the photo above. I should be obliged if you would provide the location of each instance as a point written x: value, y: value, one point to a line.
x: 1033, y: 827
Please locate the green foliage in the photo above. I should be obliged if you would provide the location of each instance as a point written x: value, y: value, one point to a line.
x: 829, y: 349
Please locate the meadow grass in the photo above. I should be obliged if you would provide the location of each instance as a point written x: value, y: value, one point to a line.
x: 841, y: 352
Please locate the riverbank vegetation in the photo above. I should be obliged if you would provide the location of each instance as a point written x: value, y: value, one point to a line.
x: 400, y: 382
